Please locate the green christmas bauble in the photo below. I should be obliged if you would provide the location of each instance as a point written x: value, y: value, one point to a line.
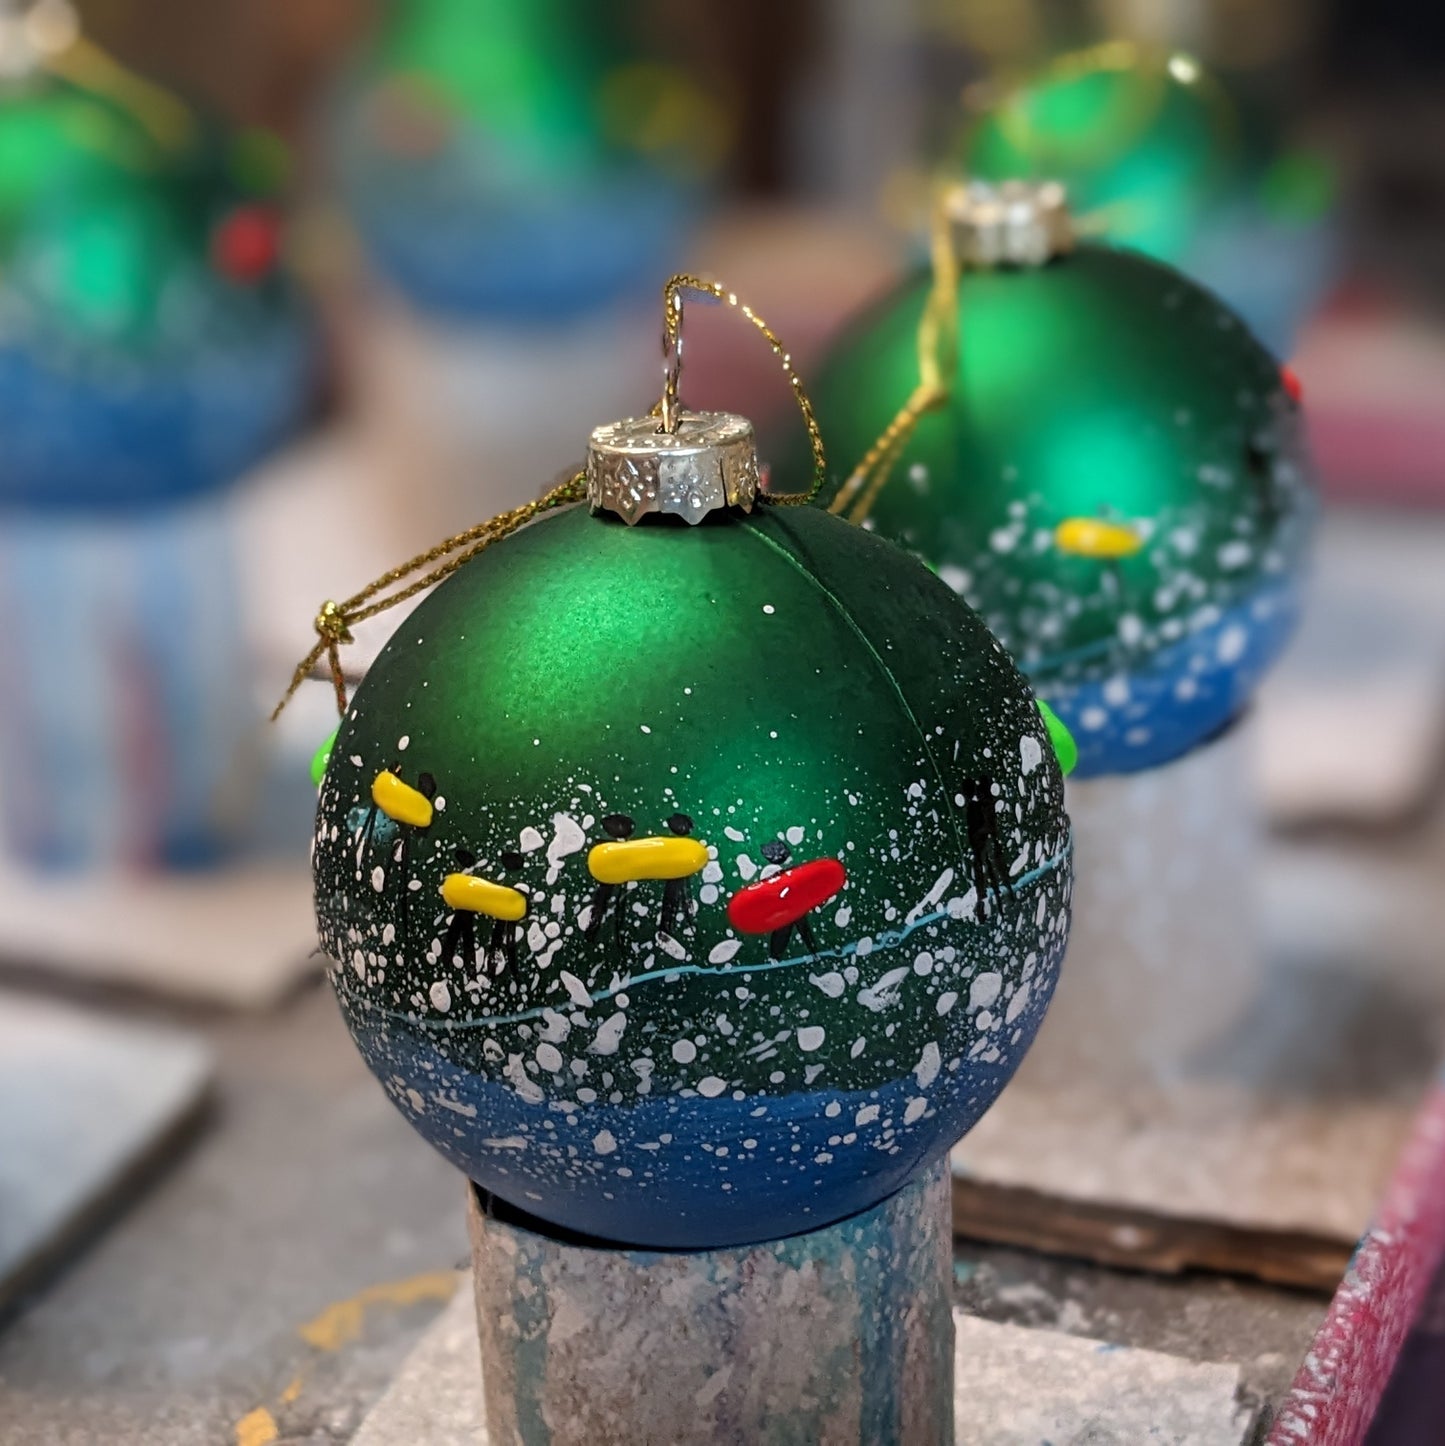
x: 691, y: 885
x: 117, y: 235
x: 1115, y: 482
x: 151, y: 345
x: 1144, y: 143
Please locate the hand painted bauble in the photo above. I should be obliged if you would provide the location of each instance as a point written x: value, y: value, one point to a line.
x: 1158, y: 154
x: 506, y: 161
x: 150, y: 346
x: 690, y: 886
x: 1116, y: 483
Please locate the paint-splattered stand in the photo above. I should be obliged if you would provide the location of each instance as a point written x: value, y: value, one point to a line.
x: 842, y: 1335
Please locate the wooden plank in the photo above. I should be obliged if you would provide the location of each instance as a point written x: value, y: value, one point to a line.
x: 1125, y: 1237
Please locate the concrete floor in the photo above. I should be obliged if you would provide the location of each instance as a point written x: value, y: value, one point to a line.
x: 304, y: 1189
x: 274, y: 1277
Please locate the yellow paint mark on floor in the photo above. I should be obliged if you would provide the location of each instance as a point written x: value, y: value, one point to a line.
x: 341, y: 1321
x: 292, y: 1391
x: 256, y: 1428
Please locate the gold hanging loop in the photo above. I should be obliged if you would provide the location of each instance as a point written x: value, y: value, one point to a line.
x: 335, y: 620
x: 667, y: 408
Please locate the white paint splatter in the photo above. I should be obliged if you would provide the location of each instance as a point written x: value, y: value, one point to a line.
x: 1018, y: 1003
x: 810, y: 1037
x: 1231, y: 645
x: 985, y: 989
x: 441, y: 996
x: 724, y: 951
x: 929, y: 1063
x: 710, y: 1087
x: 567, y: 839
x: 609, y: 1034
x: 576, y: 990
x: 604, y: 1142
x: 885, y: 993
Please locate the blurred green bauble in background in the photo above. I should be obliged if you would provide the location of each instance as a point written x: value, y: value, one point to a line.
x: 150, y: 343
x: 1158, y: 154
x: 1114, y: 481
x: 520, y: 162
x: 1143, y: 143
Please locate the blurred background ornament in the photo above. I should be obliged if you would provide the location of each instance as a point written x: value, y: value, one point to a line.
x: 520, y: 163
x: 763, y: 890
x: 1095, y: 454
x: 151, y: 351
x: 1161, y: 154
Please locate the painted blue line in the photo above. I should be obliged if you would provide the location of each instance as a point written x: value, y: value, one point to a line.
x: 890, y: 939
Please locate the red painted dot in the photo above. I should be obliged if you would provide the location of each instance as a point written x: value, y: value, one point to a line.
x: 1290, y: 378
x: 783, y: 899
x: 245, y: 245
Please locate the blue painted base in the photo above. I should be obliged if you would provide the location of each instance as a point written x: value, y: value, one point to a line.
x: 542, y: 258
x: 1179, y: 695
x: 110, y: 432
x: 686, y: 1173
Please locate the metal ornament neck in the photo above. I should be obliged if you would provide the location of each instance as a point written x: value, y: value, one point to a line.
x: 707, y: 464
x: 1009, y: 223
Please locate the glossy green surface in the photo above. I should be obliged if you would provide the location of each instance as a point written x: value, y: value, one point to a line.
x: 1144, y: 149
x: 1100, y: 385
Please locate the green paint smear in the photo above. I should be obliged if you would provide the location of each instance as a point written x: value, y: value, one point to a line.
x: 322, y: 757
x: 1065, y: 749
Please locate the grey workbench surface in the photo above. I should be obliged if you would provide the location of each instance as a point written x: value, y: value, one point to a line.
x: 281, y: 1268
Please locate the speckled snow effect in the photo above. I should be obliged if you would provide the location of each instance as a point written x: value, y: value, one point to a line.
x: 688, y: 1088
x: 1181, y: 665
x: 1145, y: 656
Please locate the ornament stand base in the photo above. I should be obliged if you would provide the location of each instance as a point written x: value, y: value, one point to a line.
x: 841, y: 1335
x: 1189, y: 1101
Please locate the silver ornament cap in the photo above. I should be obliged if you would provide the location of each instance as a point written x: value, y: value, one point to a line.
x: 708, y: 463
x: 1009, y: 223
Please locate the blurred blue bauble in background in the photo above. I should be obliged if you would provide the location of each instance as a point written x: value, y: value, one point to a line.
x: 513, y: 163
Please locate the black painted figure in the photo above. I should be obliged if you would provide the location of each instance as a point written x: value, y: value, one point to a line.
x: 618, y: 827
x: 990, y: 870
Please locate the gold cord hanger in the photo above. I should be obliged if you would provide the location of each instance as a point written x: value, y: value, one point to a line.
x: 937, y: 368
x: 334, y: 621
